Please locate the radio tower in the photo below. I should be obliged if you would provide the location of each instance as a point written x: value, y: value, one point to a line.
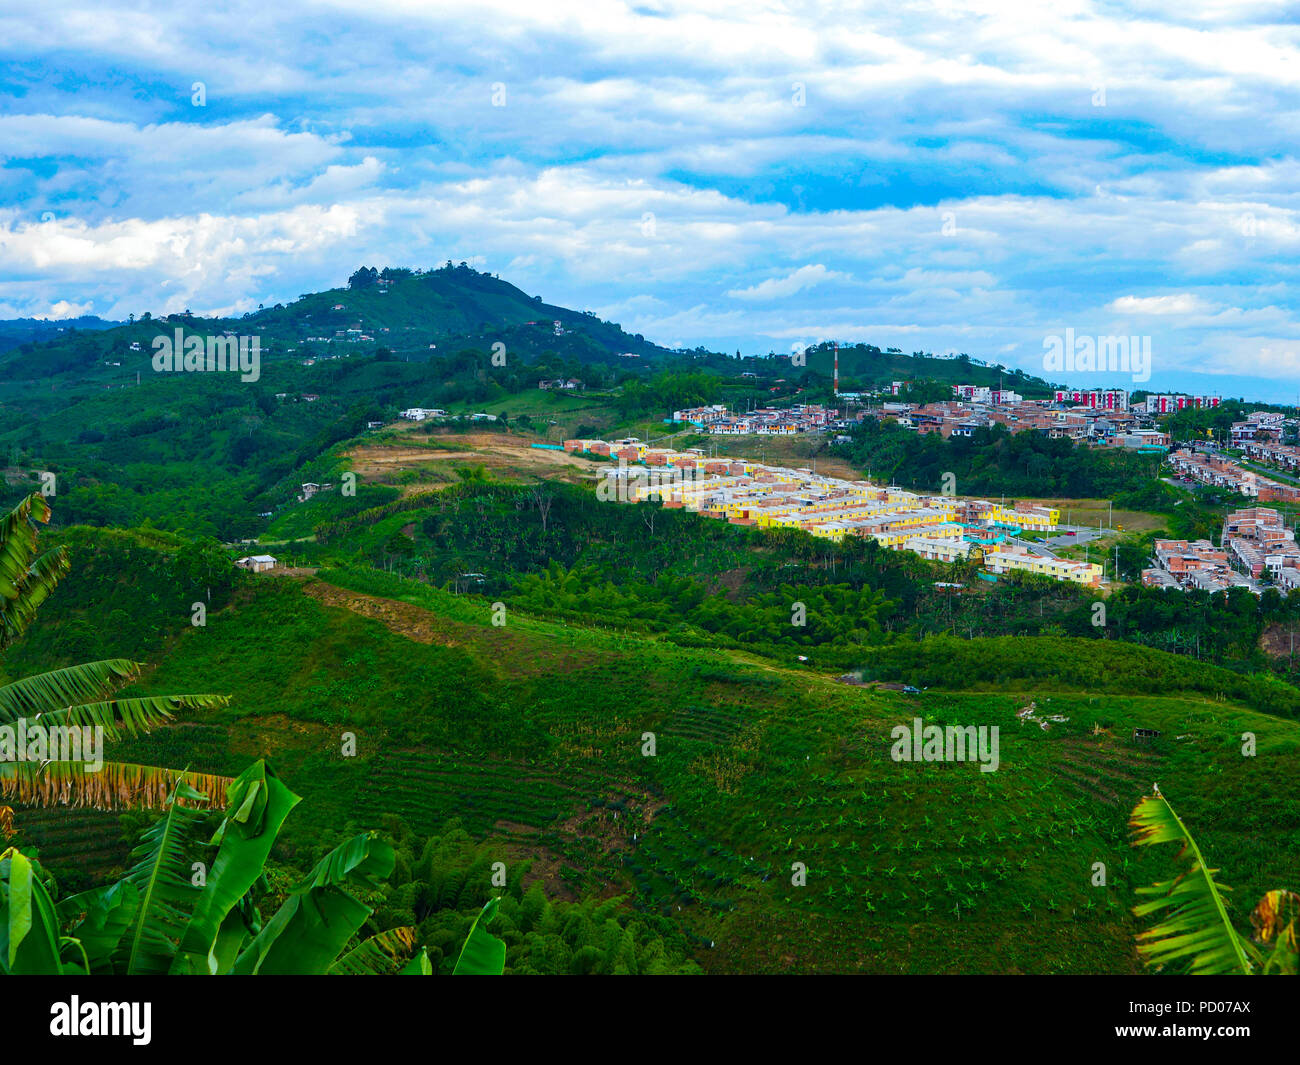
x: 837, y: 369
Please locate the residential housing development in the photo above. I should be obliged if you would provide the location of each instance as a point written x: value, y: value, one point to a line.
x: 1097, y: 419
x: 1221, y: 472
x: 765, y: 421
x: 1257, y: 549
x: 744, y: 492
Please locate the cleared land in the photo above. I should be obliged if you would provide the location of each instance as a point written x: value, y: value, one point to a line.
x: 435, y: 458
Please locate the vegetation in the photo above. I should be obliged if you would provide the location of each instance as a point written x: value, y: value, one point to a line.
x: 994, y: 461
x: 172, y: 915
x: 38, y: 713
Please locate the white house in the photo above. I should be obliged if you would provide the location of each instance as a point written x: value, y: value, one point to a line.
x: 256, y: 563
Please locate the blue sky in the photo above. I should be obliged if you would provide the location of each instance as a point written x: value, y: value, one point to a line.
x: 931, y: 176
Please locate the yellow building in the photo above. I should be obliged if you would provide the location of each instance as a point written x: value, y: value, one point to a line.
x: 937, y: 549
x: 1061, y: 569
x: 1037, y: 519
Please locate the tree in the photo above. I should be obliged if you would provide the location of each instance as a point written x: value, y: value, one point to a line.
x: 543, y: 501
x: 56, y: 705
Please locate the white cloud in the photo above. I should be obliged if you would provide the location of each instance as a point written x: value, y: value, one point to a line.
x: 780, y: 287
x: 63, y: 309
x: 1183, y: 303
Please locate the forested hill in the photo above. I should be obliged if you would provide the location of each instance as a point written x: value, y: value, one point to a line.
x: 17, y: 331
x: 408, y: 310
x: 867, y: 366
x: 412, y: 316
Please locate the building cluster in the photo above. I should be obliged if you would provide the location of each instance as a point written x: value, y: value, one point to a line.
x: 1095, y: 399
x: 1172, y: 404
x: 764, y: 421
x: 1091, y: 422
x: 744, y: 492
x: 422, y: 414
x: 1259, y: 426
x: 1220, y: 472
x: 1282, y: 455
x: 1257, y: 549
x: 985, y: 394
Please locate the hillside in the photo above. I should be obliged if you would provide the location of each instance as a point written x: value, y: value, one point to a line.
x: 449, y: 306
x: 866, y: 366
x: 221, y: 454
x: 530, y: 736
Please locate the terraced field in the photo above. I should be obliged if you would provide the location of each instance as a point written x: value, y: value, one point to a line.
x: 756, y: 807
x: 88, y: 845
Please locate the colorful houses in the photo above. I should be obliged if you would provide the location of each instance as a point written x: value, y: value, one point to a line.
x: 743, y: 492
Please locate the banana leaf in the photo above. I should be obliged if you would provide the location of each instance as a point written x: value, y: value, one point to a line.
x: 259, y: 802
x: 162, y: 876
x: 1195, y: 930
x: 320, y: 916
x: 483, y: 953
x: 98, y: 919
x: 29, y: 924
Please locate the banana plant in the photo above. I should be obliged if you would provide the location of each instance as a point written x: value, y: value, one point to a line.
x: 166, y: 917
x: 75, y: 697
x: 1195, y: 930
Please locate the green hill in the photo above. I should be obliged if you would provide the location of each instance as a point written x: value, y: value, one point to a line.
x: 531, y: 734
x: 869, y: 367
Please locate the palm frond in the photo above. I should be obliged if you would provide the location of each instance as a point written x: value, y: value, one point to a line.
x: 380, y: 955
x: 26, y: 579
x: 44, y: 574
x: 134, y: 716
x: 18, y: 543
x: 1195, y: 930
x: 60, y: 688
x: 161, y: 875
x: 114, y: 786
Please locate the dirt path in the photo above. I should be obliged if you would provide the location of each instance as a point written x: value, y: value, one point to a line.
x: 413, y: 622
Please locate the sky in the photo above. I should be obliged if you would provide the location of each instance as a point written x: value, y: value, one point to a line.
x: 931, y: 176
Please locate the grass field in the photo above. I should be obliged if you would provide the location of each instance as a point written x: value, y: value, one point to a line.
x: 1092, y: 511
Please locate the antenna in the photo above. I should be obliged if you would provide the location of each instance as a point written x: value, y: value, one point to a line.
x: 837, y: 368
